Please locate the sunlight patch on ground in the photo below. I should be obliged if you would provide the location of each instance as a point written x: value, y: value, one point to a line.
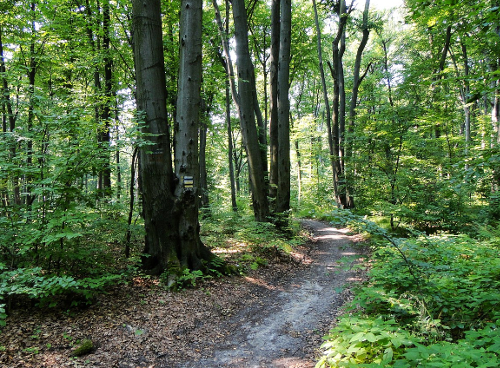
x: 260, y: 283
x: 349, y: 254
x: 332, y: 229
x: 292, y: 363
x: 225, y: 251
x: 354, y: 279
x: 332, y: 234
x: 329, y: 237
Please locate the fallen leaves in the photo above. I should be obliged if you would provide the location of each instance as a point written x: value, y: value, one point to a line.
x: 132, y: 326
x: 141, y: 325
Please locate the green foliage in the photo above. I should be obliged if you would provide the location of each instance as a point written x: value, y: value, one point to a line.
x: 35, y: 284
x: 357, y: 341
x: 478, y: 349
x: 440, y: 293
x: 264, y: 237
x: 253, y: 261
x: 85, y: 347
x: 3, y: 315
x: 186, y: 279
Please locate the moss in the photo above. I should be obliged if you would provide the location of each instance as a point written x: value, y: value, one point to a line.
x: 84, y: 348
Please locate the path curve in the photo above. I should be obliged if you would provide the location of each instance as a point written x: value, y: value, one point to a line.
x: 275, y: 330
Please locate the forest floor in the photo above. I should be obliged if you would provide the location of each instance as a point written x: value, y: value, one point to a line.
x: 274, y: 316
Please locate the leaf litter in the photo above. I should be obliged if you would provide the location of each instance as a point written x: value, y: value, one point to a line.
x: 275, y: 316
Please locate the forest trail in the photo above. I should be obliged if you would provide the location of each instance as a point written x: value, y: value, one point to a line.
x: 274, y: 316
x: 277, y: 329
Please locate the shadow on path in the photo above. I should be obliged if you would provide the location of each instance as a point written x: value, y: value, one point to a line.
x: 277, y: 329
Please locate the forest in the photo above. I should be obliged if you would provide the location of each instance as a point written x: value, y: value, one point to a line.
x: 147, y: 140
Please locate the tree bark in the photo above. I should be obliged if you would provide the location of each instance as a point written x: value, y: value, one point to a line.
x: 230, y: 91
x: 273, y: 105
x: 333, y: 147
x: 156, y: 173
x: 338, y: 106
x: 11, y: 119
x: 204, y: 200
x: 191, y: 250
x: 283, y: 198
x: 357, y: 79
x: 247, y: 113
x: 104, y: 133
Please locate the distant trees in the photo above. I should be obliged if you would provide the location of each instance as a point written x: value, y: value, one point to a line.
x: 403, y: 123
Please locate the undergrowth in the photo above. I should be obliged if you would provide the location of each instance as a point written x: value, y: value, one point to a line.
x: 247, y: 243
x: 429, y: 301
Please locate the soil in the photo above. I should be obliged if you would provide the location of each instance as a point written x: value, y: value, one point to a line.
x: 273, y: 317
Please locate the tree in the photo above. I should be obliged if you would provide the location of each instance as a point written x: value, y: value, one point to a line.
x: 273, y: 106
x: 332, y: 140
x: 279, y: 127
x: 191, y: 251
x: 230, y: 91
x: 283, y: 198
x: 169, y: 200
x: 246, y: 112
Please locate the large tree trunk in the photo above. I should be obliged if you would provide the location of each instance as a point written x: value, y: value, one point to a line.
x: 170, y: 202
x: 155, y: 168
x: 247, y: 113
x: 191, y: 250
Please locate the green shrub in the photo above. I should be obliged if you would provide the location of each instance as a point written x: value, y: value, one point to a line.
x: 479, y: 348
x: 441, y: 294
x: 35, y: 284
x: 357, y: 340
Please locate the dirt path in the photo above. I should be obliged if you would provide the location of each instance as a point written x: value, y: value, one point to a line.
x: 273, y: 317
x: 277, y: 329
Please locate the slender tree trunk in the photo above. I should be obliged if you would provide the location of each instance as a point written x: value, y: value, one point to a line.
x: 357, y: 79
x: 466, y: 89
x: 273, y: 105
x: 333, y: 147
x: 230, y: 91
x: 283, y: 199
x: 247, y: 113
x: 204, y: 201
x: 104, y: 133
x: 261, y: 128
x: 118, y: 169
x: 232, y: 181
x: 230, y: 143
x: 31, y: 113
x: 11, y: 118
x: 338, y: 106
x: 131, y: 203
